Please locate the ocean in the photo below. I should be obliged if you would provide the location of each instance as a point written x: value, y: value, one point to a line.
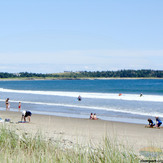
x: 59, y: 97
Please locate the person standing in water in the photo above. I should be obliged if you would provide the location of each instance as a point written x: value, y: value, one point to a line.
x: 7, y: 104
x: 79, y: 98
x: 19, y: 106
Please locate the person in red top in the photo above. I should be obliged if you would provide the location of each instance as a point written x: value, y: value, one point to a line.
x: 19, y: 106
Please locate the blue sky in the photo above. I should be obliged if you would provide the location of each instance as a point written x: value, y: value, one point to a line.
x: 67, y: 35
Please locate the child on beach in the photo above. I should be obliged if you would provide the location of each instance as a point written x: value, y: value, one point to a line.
x: 19, y: 106
x: 158, y: 122
x: 94, y: 117
x: 91, y: 116
x: 151, y: 123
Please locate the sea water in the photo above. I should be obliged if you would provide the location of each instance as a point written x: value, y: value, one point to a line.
x: 59, y: 97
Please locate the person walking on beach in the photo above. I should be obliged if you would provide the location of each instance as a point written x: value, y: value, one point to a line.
x: 7, y: 104
x: 26, y: 114
x: 19, y: 106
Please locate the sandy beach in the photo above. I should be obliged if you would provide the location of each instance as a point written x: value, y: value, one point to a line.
x: 86, y: 132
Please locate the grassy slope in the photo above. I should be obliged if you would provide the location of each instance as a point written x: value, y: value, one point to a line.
x: 16, y: 148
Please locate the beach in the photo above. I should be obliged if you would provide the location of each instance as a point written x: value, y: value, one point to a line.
x: 59, y: 98
x: 85, y: 132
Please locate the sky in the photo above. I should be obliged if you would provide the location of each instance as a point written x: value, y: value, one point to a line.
x: 85, y: 35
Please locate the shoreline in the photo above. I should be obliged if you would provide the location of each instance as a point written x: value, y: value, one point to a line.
x: 44, y: 79
x: 86, y: 132
x: 111, y: 119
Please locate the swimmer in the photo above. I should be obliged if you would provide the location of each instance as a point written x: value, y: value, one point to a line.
x: 79, y: 98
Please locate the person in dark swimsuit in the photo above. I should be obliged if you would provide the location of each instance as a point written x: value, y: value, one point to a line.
x: 26, y: 114
x: 79, y: 98
x: 7, y: 104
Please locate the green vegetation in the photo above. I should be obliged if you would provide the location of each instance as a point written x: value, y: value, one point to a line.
x: 86, y: 74
x: 25, y: 148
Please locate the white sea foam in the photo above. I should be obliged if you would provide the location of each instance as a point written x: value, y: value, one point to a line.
x: 129, y: 97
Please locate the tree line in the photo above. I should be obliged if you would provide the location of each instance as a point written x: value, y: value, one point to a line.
x: 89, y: 74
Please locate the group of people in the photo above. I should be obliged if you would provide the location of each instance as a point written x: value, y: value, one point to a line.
x: 152, y: 124
x: 93, y: 116
x: 25, y: 114
x: 8, y: 105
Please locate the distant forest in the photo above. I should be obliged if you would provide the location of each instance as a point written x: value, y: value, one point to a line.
x: 88, y: 74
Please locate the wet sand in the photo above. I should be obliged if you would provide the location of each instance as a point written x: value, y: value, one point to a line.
x: 85, y: 131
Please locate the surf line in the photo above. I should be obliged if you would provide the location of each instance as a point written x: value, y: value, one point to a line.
x: 127, y: 97
x: 86, y: 107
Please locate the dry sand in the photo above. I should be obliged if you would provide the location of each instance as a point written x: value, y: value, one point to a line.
x: 85, y: 132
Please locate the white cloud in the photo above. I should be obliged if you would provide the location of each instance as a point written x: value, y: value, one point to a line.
x: 78, y: 56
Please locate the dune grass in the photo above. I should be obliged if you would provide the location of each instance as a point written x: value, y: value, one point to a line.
x: 25, y: 148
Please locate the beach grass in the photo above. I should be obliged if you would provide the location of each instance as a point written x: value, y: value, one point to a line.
x: 27, y: 148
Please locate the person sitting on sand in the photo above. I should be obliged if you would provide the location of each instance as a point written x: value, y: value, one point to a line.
x: 26, y: 114
x: 151, y: 123
x: 91, y: 116
x: 158, y: 122
x: 94, y: 117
